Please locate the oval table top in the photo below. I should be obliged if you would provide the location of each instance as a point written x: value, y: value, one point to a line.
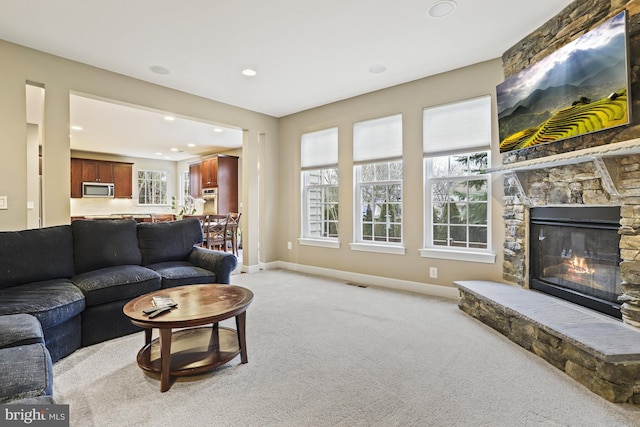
x: 197, y: 305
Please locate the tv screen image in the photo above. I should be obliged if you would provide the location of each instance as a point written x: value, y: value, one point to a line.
x: 580, y: 88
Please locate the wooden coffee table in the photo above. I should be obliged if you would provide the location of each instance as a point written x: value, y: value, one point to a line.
x: 197, y: 348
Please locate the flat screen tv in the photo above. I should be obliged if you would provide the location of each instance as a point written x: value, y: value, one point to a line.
x: 580, y: 88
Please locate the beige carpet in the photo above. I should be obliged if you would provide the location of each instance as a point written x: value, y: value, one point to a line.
x: 325, y: 353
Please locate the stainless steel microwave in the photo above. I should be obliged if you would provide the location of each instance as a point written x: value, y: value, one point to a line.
x: 97, y: 189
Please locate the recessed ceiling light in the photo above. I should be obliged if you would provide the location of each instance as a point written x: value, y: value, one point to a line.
x: 158, y: 69
x: 169, y: 118
x: 442, y: 8
x: 377, y: 69
x: 158, y: 154
x: 76, y: 127
x: 249, y: 72
x: 174, y: 149
x: 217, y: 130
x: 191, y: 145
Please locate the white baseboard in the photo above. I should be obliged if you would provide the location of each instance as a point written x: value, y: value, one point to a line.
x: 366, y: 279
x: 250, y: 269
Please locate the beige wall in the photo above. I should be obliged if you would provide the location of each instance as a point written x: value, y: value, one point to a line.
x: 408, y: 99
x: 61, y: 77
x: 270, y: 159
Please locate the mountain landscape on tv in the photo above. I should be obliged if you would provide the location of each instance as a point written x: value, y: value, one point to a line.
x: 580, y: 88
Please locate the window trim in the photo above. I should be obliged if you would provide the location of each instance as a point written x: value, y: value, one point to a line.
x: 327, y: 242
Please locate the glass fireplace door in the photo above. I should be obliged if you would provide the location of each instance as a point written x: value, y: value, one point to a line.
x: 576, y: 256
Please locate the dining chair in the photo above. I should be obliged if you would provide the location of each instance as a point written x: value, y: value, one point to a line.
x: 232, y: 231
x: 217, y: 231
x: 162, y: 217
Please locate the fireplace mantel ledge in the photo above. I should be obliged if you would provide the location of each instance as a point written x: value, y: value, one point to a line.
x: 618, y: 149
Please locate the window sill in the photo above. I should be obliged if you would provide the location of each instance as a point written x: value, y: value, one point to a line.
x: 321, y: 243
x: 469, y: 256
x: 383, y: 249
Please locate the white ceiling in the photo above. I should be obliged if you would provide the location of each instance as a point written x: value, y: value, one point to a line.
x: 306, y: 53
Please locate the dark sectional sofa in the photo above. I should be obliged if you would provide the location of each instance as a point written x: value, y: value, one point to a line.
x: 75, y: 279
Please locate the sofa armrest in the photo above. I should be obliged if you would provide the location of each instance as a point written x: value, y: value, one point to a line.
x: 221, y: 263
x: 20, y: 329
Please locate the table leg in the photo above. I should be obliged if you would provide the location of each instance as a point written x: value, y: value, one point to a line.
x: 165, y: 358
x: 242, y: 341
x: 214, y: 342
x: 148, y: 332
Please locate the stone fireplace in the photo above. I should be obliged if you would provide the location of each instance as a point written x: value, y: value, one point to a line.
x: 600, y: 185
x: 606, y: 176
x: 597, y: 170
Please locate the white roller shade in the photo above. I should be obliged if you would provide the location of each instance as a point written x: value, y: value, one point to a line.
x: 463, y: 125
x: 378, y: 139
x: 319, y: 148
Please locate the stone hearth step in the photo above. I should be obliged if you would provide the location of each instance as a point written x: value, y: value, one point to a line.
x: 598, y: 351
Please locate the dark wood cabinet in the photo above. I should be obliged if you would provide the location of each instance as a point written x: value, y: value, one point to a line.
x: 227, y: 184
x: 219, y: 172
x: 76, y: 178
x: 209, y: 172
x: 87, y: 170
x: 123, y: 180
x: 195, y: 180
x: 97, y: 171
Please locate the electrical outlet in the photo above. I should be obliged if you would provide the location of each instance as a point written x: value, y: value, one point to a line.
x: 433, y: 272
x: 3, y: 202
x: 289, y: 245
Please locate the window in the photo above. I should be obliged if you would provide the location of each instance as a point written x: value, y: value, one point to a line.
x: 378, y: 173
x: 320, y: 183
x: 152, y: 187
x: 321, y: 203
x: 380, y: 197
x: 456, y: 143
x: 459, y: 200
x: 185, y: 184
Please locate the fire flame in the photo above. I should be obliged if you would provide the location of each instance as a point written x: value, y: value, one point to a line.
x: 579, y: 265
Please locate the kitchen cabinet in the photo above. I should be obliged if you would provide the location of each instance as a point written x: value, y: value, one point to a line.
x: 76, y: 178
x: 209, y: 172
x: 123, y: 180
x: 97, y: 171
x: 88, y: 170
x: 195, y: 180
x: 221, y: 172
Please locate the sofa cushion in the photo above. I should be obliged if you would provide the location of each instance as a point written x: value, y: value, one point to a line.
x: 26, y: 371
x: 36, y: 255
x: 168, y: 241
x: 178, y: 273
x: 20, y: 329
x: 116, y: 283
x: 104, y: 243
x: 51, y: 302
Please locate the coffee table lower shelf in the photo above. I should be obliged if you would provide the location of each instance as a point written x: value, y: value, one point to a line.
x: 193, y: 351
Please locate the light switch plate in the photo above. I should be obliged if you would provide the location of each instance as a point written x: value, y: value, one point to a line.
x: 3, y: 202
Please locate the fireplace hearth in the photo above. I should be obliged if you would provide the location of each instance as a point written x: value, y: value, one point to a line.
x: 575, y: 255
